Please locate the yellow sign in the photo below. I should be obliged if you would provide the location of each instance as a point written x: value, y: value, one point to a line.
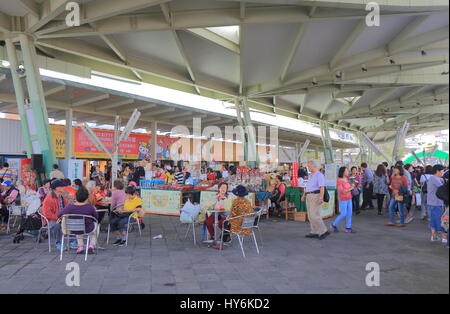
x: 59, y: 139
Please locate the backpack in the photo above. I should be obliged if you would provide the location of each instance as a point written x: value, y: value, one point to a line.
x: 326, y: 196
x: 442, y: 192
x: 425, y: 186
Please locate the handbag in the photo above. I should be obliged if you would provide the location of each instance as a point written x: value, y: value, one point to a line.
x: 326, y: 196
x: 399, y: 198
x: 120, y: 215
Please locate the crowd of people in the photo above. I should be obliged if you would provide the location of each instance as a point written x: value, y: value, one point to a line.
x: 60, y: 196
x: 401, y: 191
x: 404, y: 189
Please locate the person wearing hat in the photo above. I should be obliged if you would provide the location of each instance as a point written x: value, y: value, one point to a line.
x: 240, y: 206
x: 54, y: 202
x: 10, y: 195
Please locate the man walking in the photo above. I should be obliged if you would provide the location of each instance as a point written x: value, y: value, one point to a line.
x: 315, y: 189
x: 367, y: 184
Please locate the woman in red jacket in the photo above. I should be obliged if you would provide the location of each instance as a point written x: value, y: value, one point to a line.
x: 54, y: 202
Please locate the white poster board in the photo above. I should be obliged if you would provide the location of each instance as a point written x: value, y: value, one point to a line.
x: 75, y: 169
x: 331, y: 174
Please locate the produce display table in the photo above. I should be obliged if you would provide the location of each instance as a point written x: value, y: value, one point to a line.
x: 167, y: 200
x: 294, y: 195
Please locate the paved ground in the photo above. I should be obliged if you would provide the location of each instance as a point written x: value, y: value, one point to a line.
x: 289, y: 263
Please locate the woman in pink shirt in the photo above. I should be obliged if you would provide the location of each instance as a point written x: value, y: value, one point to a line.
x: 118, y: 196
x: 344, y: 189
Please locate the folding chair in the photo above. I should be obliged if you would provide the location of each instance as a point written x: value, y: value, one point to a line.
x: 75, y: 225
x: 259, y: 213
x: 129, y: 223
x: 248, y: 223
x: 190, y: 225
x: 99, y: 225
x: 45, y: 226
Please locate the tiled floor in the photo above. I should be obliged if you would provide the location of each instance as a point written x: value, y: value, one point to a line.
x: 288, y: 263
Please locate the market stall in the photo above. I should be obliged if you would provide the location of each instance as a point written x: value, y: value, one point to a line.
x: 296, y: 210
x: 166, y: 199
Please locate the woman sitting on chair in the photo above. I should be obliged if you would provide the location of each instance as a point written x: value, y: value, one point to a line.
x: 240, y: 206
x: 221, y: 197
x: 120, y: 216
x: 82, y: 207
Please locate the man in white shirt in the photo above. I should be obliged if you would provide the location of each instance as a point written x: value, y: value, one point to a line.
x: 56, y: 173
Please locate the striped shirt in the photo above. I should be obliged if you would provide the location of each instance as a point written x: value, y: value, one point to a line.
x: 7, y: 174
x: 179, y: 177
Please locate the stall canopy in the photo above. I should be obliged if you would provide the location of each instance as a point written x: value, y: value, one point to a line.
x: 437, y: 154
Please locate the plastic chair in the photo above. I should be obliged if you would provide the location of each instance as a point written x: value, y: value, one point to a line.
x: 129, y: 223
x: 259, y: 213
x: 248, y: 223
x: 190, y: 225
x: 99, y: 225
x: 44, y: 227
x: 75, y: 225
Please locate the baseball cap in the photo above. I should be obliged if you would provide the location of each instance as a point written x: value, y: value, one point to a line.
x: 57, y: 184
x: 6, y: 183
x: 132, y: 183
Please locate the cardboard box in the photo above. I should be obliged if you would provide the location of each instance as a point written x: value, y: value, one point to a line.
x: 298, y: 216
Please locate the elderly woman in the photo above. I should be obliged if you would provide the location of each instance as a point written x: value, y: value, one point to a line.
x: 53, y: 204
x: 82, y: 207
x: 240, y: 206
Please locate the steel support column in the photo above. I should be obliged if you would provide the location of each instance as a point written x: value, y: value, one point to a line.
x: 20, y: 95
x: 37, y: 118
x: 69, y: 121
x: 154, y: 127
x: 115, y: 157
x: 326, y: 139
x: 249, y: 133
x: 363, y: 151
